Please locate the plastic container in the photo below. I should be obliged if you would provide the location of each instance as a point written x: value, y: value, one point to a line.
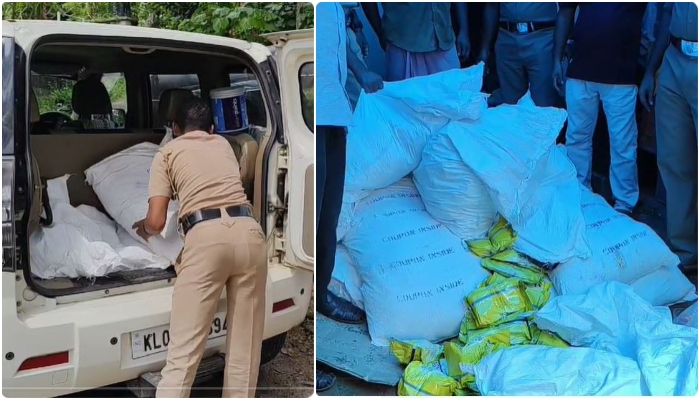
x: 229, y: 109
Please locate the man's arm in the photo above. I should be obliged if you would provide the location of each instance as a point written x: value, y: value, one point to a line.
x: 663, y: 37
x: 157, y: 214
x: 160, y: 191
x: 492, y: 13
x: 463, y: 44
x: 372, y: 13
x: 562, y: 31
x: 369, y: 81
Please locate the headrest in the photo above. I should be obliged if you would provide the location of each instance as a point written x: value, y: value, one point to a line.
x: 90, y: 97
x: 33, y: 107
x: 170, y: 101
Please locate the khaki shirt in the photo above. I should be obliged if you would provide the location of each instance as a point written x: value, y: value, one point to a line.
x: 200, y: 171
x: 684, y: 20
x: 528, y: 12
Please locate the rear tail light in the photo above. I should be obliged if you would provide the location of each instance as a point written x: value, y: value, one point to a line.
x: 282, y: 305
x: 8, y: 214
x: 49, y: 360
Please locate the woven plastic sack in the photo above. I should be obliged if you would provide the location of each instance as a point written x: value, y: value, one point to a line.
x: 623, y: 250
x: 390, y: 128
x: 412, y: 268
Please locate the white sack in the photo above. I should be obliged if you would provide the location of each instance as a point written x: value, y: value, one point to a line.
x: 664, y: 286
x: 554, y: 371
x: 453, y: 194
x: 390, y: 128
x: 530, y: 182
x: 346, y: 281
x: 82, y: 242
x: 623, y: 250
x: 121, y: 183
x: 415, y: 273
x: 612, y: 318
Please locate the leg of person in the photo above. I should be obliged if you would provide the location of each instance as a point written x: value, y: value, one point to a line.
x: 619, y: 102
x: 510, y: 68
x: 196, y: 294
x: 536, y: 52
x: 677, y: 151
x: 582, y: 101
x: 326, y: 240
x: 245, y: 293
x: 397, y: 63
x: 321, y: 132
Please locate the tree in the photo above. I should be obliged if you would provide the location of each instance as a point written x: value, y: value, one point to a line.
x: 247, y: 21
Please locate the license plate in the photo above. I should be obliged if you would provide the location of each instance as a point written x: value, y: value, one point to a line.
x: 155, y: 340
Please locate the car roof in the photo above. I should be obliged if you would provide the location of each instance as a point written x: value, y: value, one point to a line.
x: 42, y: 28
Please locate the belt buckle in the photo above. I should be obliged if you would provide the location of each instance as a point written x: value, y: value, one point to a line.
x: 522, y: 27
x: 690, y: 49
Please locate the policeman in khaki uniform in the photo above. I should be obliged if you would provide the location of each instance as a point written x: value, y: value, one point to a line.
x: 676, y: 108
x: 524, y: 57
x: 224, y: 248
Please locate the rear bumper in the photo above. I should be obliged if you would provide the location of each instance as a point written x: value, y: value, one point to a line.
x: 96, y: 335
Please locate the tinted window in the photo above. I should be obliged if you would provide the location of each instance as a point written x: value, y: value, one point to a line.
x: 8, y: 97
x: 306, y: 83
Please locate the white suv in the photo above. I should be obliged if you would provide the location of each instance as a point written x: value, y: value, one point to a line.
x: 63, y: 335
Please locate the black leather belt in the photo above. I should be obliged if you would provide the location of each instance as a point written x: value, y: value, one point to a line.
x: 677, y: 43
x: 523, y: 28
x: 190, y: 220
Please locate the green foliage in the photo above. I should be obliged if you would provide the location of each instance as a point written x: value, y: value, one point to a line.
x: 247, y: 21
x: 57, y: 98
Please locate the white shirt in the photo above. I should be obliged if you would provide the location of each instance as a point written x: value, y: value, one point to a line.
x: 332, y: 105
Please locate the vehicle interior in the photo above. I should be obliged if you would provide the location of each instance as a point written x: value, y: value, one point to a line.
x: 91, y: 101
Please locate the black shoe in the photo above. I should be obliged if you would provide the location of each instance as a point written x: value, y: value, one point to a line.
x: 324, y: 381
x: 340, y: 310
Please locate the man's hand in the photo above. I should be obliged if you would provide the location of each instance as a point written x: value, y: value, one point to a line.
x: 646, y: 92
x: 483, y: 56
x: 140, y: 227
x: 362, y: 43
x: 558, y: 77
x: 370, y: 81
x: 463, y: 46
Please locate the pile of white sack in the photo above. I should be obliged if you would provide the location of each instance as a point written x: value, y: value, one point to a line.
x: 83, y: 242
x: 623, y: 347
x: 429, y: 167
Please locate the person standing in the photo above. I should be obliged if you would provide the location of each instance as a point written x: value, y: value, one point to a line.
x: 418, y: 38
x: 675, y: 57
x: 357, y: 44
x: 524, y: 44
x: 602, y: 68
x: 224, y: 248
x: 333, y: 116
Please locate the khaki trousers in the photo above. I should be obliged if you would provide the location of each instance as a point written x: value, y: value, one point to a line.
x: 223, y: 253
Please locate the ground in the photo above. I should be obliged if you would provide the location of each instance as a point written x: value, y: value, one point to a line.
x: 290, y: 374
